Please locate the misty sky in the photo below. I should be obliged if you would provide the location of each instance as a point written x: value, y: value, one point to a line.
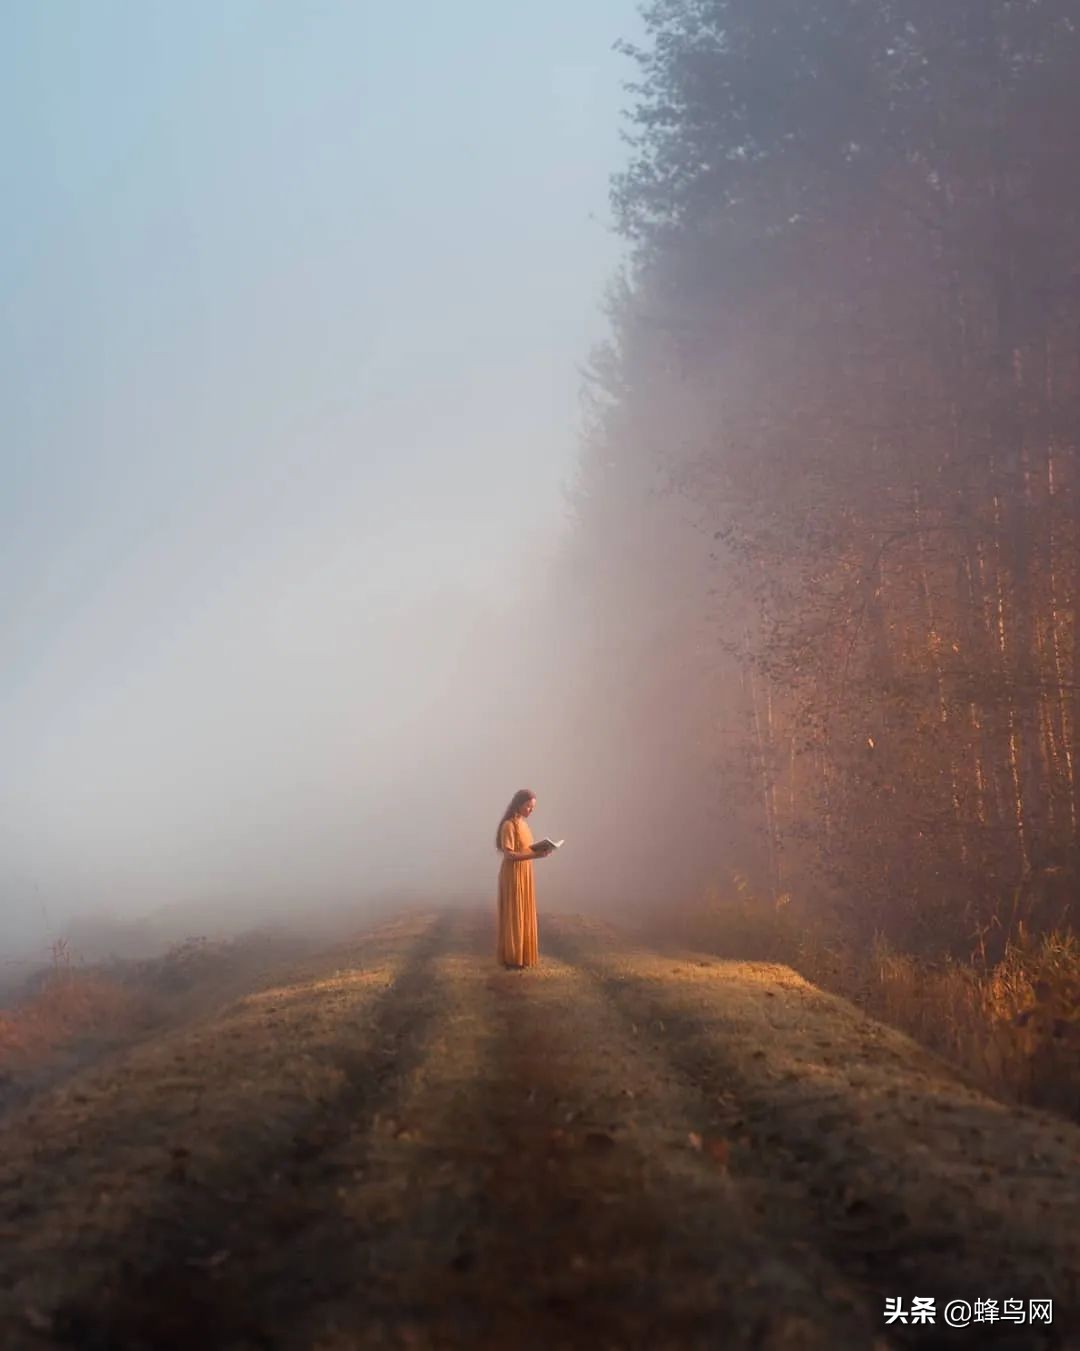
x: 295, y: 295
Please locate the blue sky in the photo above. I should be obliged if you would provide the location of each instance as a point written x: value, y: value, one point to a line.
x: 294, y: 301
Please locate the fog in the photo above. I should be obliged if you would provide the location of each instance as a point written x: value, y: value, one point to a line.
x: 297, y: 298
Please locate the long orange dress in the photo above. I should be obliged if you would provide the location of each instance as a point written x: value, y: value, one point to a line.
x: 518, y: 939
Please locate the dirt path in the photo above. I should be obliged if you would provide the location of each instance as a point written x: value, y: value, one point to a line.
x: 402, y: 1145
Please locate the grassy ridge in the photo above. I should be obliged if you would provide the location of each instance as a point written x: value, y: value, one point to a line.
x: 1011, y: 1025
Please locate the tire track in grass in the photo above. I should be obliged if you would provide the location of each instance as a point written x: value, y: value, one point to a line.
x: 911, y: 1182
x: 418, y: 1188
x: 217, y: 1259
x: 648, y: 1242
x: 507, y: 1162
x: 552, y: 1208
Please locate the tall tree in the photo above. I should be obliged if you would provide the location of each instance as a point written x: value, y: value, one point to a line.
x: 849, y: 335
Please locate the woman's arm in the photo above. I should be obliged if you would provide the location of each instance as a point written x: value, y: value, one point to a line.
x: 508, y: 838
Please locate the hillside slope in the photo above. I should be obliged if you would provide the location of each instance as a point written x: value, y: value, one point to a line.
x: 400, y: 1144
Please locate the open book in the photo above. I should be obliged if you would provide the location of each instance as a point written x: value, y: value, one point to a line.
x: 545, y: 843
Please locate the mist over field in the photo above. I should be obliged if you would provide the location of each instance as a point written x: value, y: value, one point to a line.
x: 672, y: 410
x: 404, y: 410
x: 669, y: 408
x: 297, y: 303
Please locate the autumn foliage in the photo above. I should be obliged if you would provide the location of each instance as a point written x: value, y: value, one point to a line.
x: 828, y: 551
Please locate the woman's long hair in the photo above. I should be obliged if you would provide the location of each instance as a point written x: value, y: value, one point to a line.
x: 518, y: 801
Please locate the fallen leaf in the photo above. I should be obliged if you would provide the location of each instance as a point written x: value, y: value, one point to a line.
x: 719, y: 1151
x: 694, y: 1141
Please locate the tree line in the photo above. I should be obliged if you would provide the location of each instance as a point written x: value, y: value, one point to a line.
x: 826, y: 555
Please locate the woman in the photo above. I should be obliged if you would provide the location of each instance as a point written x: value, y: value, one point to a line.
x: 518, y: 943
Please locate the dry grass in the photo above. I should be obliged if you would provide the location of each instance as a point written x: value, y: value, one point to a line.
x: 71, y: 1014
x: 71, y: 1011
x: 68, y: 1004
x: 1012, y: 1027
